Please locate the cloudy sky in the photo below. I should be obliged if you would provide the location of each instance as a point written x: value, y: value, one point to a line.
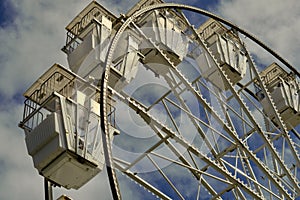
x: 31, y: 36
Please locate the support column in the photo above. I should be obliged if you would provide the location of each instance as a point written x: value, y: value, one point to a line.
x: 48, y: 190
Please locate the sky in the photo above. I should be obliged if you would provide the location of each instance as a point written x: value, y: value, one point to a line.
x: 31, y: 36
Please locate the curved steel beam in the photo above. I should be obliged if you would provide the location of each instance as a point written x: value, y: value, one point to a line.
x: 104, y: 80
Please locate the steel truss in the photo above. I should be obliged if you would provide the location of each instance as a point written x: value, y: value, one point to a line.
x: 231, y: 153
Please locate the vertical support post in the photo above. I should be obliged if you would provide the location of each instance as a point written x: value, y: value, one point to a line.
x: 48, y: 190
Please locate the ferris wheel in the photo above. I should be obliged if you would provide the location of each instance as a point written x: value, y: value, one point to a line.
x: 169, y: 98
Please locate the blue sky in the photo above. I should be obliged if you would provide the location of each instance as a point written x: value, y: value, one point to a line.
x: 8, y: 13
x: 31, y: 36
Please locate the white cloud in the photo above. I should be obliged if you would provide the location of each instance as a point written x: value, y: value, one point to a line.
x: 16, y: 168
x: 31, y: 44
x: 275, y: 22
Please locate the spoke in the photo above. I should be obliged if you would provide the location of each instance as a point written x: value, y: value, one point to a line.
x: 170, y: 145
x: 256, y: 126
x: 153, y: 122
x: 204, y: 123
x: 143, y: 183
x: 165, y: 177
x: 163, y: 139
x: 281, y: 124
x: 238, y: 142
x: 192, y: 168
x: 226, y: 126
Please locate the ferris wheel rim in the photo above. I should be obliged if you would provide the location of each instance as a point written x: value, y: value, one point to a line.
x: 104, y: 80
